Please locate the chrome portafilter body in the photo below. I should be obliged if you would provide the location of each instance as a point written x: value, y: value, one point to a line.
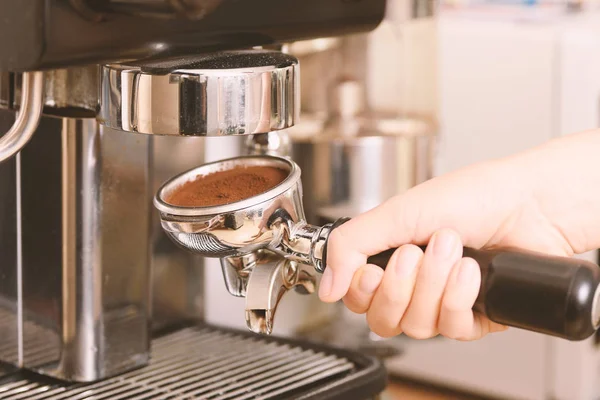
x: 264, y: 243
x: 233, y: 229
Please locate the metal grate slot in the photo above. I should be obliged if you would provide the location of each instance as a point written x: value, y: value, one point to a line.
x: 41, y: 343
x: 202, y: 363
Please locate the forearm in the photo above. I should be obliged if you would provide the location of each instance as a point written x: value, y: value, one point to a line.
x: 544, y: 200
x: 564, y: 175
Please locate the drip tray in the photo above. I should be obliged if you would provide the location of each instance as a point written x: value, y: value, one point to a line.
x: 204, y: 362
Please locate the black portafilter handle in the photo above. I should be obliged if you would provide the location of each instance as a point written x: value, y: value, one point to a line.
x: 556, y: 296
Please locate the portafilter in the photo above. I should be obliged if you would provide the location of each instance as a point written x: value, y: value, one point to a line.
x: 266, y: 248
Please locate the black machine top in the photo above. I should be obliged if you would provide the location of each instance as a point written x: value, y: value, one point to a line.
x: 43, y: 34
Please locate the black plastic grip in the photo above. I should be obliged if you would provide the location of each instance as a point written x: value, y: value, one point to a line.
x: 532, y: 291
x: 537, y: 292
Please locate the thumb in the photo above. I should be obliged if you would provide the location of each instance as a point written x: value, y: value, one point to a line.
x: 349, y: 245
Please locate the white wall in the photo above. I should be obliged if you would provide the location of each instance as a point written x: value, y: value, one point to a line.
x: 506, y: 87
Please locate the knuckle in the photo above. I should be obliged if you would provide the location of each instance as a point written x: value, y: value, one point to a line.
x: 388, y: 298
x: 448, y: 232
x: 355, y: 308
x: 388, y: 295
x: 451, y: 327
x: 382, y: 327
x: 454, y: 333
x: 355, y: 303
x: 451, y: 305
x: 384, y: 333
x: 418, y: 332
x: 457, y: 249
x: 410, y: 248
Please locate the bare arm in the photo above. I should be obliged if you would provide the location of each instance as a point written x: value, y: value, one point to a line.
x: 546, y: 199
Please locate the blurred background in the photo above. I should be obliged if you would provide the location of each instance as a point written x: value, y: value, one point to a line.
x: 436, y: 87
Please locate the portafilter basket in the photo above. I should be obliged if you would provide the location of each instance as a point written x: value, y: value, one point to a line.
x: 273, y: 219
x: 557, y: 296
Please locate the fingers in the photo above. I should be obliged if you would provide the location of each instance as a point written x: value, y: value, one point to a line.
x: 349, y: 246
x: 363, y: 287
x: 422, y: 294
x: 443, y: 252
x: 393, y: 296
x: 457, y: 319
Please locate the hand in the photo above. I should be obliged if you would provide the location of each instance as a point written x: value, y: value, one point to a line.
x: 545, y: 200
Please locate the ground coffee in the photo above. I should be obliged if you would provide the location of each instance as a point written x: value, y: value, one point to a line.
x: 226, y: 187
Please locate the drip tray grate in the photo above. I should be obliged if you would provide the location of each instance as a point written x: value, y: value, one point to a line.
x: 210, y: 363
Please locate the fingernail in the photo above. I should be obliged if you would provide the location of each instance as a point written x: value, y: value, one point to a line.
x: 406, y: 261
x: 443, y: 244
x: 370, y: 280
x: 466, y: 272
x: 326, y: 283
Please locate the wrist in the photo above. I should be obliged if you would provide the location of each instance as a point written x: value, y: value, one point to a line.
x: 564, y: 180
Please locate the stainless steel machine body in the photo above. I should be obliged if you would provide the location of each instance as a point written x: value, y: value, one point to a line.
x: 77, y: 282
x: 86, y: 275
x: 86, y: 239
x: 79, y: 269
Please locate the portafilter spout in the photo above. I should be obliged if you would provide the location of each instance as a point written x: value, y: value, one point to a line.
x: 271, y: 278
x: 556, y: 296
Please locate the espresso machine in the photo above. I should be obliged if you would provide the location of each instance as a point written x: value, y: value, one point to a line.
x: 102, y: 100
